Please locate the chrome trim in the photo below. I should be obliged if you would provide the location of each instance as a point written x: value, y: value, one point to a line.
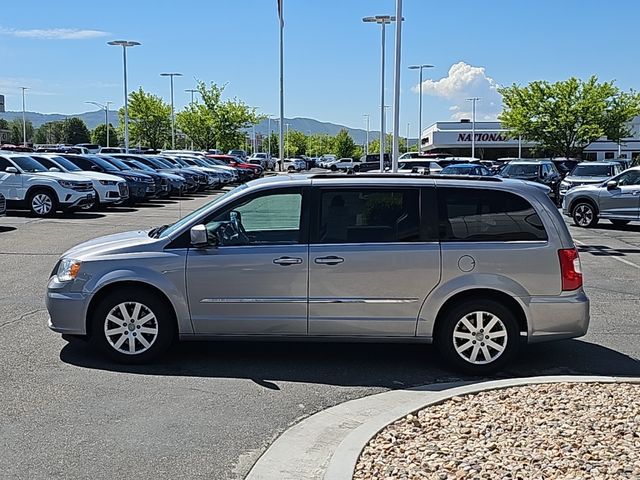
x: 362, y: 300
x: 255, y: 300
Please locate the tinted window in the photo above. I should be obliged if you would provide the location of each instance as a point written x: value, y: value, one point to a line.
x: 272, y: 218
x: 517, y: 170
x: 632, y: 177
x: 28, y: 164
x: 369, y: 216
x: 475, y: 215
x: 4, y: 163
x: 83, y: 163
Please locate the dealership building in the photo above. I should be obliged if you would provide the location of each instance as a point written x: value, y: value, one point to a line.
x: 492, y: 142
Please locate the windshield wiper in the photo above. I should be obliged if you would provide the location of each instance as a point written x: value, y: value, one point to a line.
x: 156, y: 231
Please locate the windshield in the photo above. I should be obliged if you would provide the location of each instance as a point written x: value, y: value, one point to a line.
x: 520, y: 170
x: 119, y: 163
x: 160, y: 162
x: 28, y: 164
x: 456, y: 170
x: 103, y: 163
x: 66, y: 164
x: 592, y: 171
x: 141, y: 166
x: 185, y: 220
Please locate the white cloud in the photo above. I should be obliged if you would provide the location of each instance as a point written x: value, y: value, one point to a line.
x: 10, y: 87
x: 464, y: 81
x: 54, y: 33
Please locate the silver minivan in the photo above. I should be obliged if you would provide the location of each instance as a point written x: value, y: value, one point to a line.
x: 477, y: 266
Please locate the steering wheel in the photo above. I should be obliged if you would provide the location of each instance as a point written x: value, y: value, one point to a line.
x: 236, y: 222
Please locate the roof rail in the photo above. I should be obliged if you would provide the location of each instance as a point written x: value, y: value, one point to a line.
x: 406, y: 176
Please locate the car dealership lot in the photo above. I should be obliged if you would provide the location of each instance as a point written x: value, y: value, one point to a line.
x: 210, y: 409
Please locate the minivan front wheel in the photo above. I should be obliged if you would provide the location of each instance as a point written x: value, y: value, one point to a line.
x: 478, y: 337
x: 132, y: 327
x: 584, y: 215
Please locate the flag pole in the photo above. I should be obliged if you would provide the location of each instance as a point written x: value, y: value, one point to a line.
x: 281, y: 140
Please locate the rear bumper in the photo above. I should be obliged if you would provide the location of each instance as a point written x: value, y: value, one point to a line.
x: 558, y: 317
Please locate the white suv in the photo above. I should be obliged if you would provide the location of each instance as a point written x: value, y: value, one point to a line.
x: 26, y: 183
x: 109, y: 189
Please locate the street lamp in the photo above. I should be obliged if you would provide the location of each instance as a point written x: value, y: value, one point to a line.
x: 24, y: 119
x: 473, y: 101
x: 381, y: 20
x: 407, y: 137
x: 173, y: 116
x: 106, y: 116
x: 124, y: 44
x: 366, y: 149
x: 286, y: 142
x: 420, y: 67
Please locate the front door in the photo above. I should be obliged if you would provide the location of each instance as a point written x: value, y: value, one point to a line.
x: 253, y: 278
x: 11, y: 185
x: 624, y: 200
x: 371, y: 263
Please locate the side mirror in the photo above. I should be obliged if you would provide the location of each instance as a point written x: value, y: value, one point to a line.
x: 612, y: 185
x: 199, y: 236
x: 11, y: 170
x: 95, y: 168
x: 54, y: 169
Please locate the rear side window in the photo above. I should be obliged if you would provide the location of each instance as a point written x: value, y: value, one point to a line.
x: 369, y: 215
x: 483, y: 215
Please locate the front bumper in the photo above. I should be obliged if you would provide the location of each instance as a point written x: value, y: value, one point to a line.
x: 67, y: 310
x: 76, y: 199
x: 558, y: 317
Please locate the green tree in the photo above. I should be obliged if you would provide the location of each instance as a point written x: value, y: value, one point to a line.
x: 566, y: 116
x: 75, y: 131
x: 273, y: 149
x: 149, y: 120
x: 99, y: 136
x: 320, y: 144
x: 374, y: 145
x: 15, y: 127
x: 50, y: 132
x: 295, y: 143
x: 197, y: 123
x: 344, y: 145
x: 4, y: 125
x: 621, y: 110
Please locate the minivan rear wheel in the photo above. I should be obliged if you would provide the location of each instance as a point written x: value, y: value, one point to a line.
x: 132, y: 326
x: 478, y: 336
x: 584, y: 215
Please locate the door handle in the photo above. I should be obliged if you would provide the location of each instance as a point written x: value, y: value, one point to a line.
x: 287, y: 261
x: 330, y: 260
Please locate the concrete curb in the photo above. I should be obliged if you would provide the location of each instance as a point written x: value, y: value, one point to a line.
x: 327, y: 445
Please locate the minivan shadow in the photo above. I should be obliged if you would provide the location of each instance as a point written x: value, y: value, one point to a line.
x: 345, y: 364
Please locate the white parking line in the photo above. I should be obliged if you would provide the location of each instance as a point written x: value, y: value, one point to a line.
x: 627, y: 262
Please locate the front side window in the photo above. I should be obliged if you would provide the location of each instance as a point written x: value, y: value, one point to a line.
x: 272, y: 218
x: 360, y: 215
x: 28, y: 164
x: 482, y: 215
x: 632, y: 177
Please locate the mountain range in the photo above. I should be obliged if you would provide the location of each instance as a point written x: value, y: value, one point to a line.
x: 304, y: 125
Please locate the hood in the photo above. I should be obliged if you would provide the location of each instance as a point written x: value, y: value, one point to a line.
x: 171, y: 176
x: 70, y: 177
x: 110, y: 245
x: 585, y: 180
x: 99, y: 176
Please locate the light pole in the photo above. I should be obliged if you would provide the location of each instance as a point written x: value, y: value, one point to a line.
x: 287, y: 140
x: 473, y: 101
x: 420, y: 67
x: 173, y: 116
x: 124, y: 44
x: 366, y: 149
x: 519, y: 146
x: 106, y: 116
x: 269, y: 138
x: 407, y: 137
x: 192, y: 91
x: 381, y: 20
x: 24, y: 119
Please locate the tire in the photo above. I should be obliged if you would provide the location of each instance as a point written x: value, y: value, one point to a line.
x: 43, y: 203
x: 584, y: 214
x: 620, y: 223
x: 356, y: 168
x: 457, y: 343
x: 150, y: 337
x: 333, y: 168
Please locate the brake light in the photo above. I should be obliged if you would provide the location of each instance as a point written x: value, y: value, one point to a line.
x: 570, y: 269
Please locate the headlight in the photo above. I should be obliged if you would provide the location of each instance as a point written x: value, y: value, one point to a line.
x: 68, y: 184
x: 108, y: 182
x: 68, y: 269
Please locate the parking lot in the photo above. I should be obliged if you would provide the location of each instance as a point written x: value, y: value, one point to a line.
x: 208, y: 410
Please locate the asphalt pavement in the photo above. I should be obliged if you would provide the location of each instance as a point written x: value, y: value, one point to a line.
x: 208, y: 410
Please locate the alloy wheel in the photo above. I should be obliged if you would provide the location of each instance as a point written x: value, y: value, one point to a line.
x: 131, y: 328
x: 583, y: 215
x: 480, y: 338
x: 41, y: 204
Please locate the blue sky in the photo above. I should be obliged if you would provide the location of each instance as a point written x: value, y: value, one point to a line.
x: 332, y: 58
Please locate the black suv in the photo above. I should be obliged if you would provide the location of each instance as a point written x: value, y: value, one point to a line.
x: 540, y: 171
x: 372, y: 162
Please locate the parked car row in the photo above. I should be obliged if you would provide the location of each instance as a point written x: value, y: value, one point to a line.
x: 45, y: 182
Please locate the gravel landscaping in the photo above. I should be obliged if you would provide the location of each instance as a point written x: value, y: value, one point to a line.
x: 546, y: 431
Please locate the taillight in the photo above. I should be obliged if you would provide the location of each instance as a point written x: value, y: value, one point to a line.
x: 570, y: 269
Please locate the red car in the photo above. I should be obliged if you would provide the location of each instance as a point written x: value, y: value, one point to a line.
x: 237, y: 163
